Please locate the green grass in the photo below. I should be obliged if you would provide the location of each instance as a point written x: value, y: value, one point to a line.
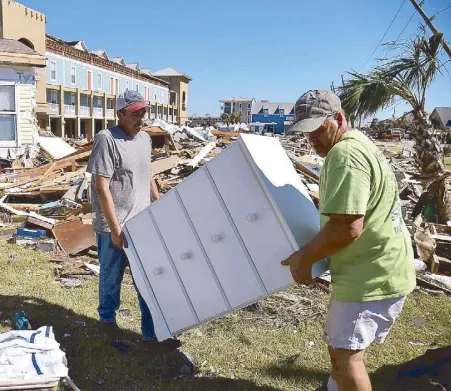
x: 248, y: 350
x: 448, y: 162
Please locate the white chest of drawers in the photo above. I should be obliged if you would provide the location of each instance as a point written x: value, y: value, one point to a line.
x: 214, y: 243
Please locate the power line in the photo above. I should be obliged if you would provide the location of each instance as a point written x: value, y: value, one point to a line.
x: 439, y: 12
x: 386, y: 31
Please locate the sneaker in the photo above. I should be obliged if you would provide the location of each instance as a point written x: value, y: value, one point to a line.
x: 168, y: 344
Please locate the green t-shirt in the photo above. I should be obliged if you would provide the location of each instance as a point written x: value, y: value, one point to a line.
x: 356, y: 179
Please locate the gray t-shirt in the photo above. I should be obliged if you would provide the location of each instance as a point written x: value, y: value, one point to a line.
x: 126, y: 160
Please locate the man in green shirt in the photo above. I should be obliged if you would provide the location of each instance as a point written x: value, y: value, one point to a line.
x: 362, y: 234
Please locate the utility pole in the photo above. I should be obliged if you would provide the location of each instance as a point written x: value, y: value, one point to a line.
x: 431, y: 26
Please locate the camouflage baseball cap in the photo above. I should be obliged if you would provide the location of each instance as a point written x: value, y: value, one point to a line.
x: 313, y: 108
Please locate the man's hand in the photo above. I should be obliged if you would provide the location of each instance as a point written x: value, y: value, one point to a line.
x: 117, y: 236
x: 300, y: 269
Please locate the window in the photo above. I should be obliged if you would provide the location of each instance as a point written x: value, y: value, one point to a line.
x: 265, y: 112
x: 99, y: 81
x: 109, y: 104
x: 7, y: 112
x: 282, y: 112
x: 240, y: 112
x: 241, y: 105
x: 72, y: 99
x: 53, y: 70
x: 52, y: 96
x: 73, y: 75
x: 248, y: 113
x: 248, y: 106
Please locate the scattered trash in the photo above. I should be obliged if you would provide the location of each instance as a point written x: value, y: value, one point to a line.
x: 71, y: 282
x: 21, y: 321
x: 124, y: 313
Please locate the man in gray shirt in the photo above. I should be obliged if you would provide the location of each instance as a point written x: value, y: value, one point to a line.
x: 122, y: 187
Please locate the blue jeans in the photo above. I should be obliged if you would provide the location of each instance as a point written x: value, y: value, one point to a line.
x: 113, y: 262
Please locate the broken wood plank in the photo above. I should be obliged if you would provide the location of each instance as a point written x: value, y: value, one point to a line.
x: 74, y: 236
x: 203, y: 152
x: 301, y: 167
x: 162, y: 165
x: 46, y: 174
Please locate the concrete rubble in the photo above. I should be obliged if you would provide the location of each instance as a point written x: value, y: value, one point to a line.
x: 47, y: 192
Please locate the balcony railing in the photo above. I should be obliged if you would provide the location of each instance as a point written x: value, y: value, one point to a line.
x: 110, y: 113
x: 54, y: 108
x: 84, y: 111
x: 69, y: 110
x: 97, y: 112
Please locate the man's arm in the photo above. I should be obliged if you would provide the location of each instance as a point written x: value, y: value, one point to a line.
x: 154, y: 194
x: 338, y: 233
x: 107, y: 205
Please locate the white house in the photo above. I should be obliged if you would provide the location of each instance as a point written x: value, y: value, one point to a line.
x: 19, y: 65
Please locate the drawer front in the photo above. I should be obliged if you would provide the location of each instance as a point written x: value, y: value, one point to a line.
x: 160, y: 273
x: 190, y: 262
x: 253, y: 216
x: 235, y: 271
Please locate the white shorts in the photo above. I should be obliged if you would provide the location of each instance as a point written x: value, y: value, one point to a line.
x: 356, y: 325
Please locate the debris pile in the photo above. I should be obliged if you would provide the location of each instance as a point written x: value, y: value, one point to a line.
x: 48, y: 191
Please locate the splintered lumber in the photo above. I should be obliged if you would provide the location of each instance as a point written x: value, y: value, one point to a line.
x: 203, y: 152
x: 303, y: 168
x: 34, y: 174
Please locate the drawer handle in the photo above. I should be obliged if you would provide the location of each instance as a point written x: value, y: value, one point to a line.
x: 157, y: 271
x: 251, y: 217
x: 216, y: 238
x: 185, y: 256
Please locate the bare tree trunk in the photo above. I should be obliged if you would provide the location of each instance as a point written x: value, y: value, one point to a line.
x: 429, y: 153
x: 429, y: 156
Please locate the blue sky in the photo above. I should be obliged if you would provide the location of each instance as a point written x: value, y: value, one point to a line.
x: 252, y: 48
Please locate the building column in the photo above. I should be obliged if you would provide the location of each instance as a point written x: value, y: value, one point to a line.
x: 91, y: 128
x: 77, y: 113
x: 104, y: 123
x: 62, y: 121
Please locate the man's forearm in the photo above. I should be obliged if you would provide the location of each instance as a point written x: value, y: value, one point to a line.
x: 107, y: 205
x: 154, y: 194
x: 330, y: 240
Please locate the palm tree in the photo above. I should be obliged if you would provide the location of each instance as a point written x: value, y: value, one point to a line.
x: 406, y: 77
x: 226, y: 118
x: 236, y: 118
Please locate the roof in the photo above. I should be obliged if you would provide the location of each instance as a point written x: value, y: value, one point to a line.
x: 170, y: 71
x: 101, y: 53
x: 272, y: 107
x: 444, y: 113
x: 240, y: 99
x: 17, y: 53
x: 118, y: 60
x: 13, y: 46
x: 147, y: 71
x: 133, y: 65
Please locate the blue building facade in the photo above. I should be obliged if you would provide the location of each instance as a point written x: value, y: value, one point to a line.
x: 275, y: 117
